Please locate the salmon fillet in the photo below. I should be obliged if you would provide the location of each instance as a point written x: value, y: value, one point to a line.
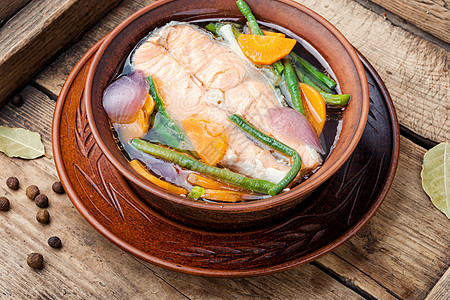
x: 199, y: 77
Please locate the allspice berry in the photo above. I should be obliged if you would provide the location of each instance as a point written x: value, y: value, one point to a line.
x: 43, y: 216
x: 13, y: 183
x: 35, y: 260
x: 17, y: 100
x: 4, y: 204
x: 41, y: 201
x: 54, y: 242
x: 32, y: 191
x: 58, y: 188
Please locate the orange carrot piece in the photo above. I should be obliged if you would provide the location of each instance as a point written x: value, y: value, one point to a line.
x: 208, y: 183
x: 138, y: 167
x: 271, y: 33
x: 315, y: 108
x: 224, y: 196
x: 207, y: 139
x: 149, y: 105
x: 262, y: 49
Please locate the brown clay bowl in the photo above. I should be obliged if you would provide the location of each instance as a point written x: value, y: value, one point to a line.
x: 301, y: 21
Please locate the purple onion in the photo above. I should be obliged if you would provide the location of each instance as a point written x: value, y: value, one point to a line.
x: 295, y: 126
x: 123, y: 98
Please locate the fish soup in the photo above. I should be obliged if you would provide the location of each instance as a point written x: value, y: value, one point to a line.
x: 215, y: 112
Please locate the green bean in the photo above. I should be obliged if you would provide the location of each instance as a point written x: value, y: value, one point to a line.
x: 257, y: 185
x: 332, y: 99
x: 273, y: 143
x: 300, y: 69
x: 279, y: 66
x: 314, y: 71
x: 196, y: 192
x: 213, y: 28
x: 254, y: 27
x: 292, y: 85
x: 247, y: 13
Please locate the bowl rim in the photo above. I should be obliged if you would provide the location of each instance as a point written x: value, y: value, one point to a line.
x: 307, y: 186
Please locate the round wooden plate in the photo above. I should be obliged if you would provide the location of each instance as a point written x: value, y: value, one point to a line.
x: 329, y: 217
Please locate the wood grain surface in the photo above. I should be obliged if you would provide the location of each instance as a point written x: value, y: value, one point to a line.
x: 432, y: 16
x: 441, y: 289
x: 30, y: 39
x: 403, y: 253
x: 9, y: 8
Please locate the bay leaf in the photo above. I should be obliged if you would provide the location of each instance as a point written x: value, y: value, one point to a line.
x: 18, y: 142
x: 436, y: 176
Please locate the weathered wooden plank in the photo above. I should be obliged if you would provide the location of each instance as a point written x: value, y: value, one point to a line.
x: 30, y: 39
x: 52, y: 78
x: 405, y: 247
x: 354, y: 277
x: 432, y: 16
x: 305, y: 282
x: 9, y: 8
x: 441, y: 290
x: 87, y: 266
x: 415, y: 71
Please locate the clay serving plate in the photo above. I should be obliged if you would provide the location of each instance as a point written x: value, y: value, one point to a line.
x: 288, y: 16
x: 331, y: 215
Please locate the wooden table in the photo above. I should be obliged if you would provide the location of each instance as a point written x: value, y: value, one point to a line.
x: 403, y: 252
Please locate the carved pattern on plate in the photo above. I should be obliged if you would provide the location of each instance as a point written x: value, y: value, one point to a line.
x: 309, y: 228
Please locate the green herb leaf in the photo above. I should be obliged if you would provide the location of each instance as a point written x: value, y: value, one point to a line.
x: 196, y: 192
x: 436, y: 176
x: 18, y: 142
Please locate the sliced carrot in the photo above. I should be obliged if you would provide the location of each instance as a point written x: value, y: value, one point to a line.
x: 315, y: 108
x: 138, y: 167
x: 262, y: 49
x: 271, y: 33
x: 142, y: 121
x: 144, y: 113
x: 149, y: 105
x: 207, y: 139
x: 208, y: 183
x: 224, y: 196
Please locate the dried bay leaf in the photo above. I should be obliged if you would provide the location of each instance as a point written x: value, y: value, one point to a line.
x: 436, y: 176
x: 18, y: 142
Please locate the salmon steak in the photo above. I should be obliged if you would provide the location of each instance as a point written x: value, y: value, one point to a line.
x: 200, y: 77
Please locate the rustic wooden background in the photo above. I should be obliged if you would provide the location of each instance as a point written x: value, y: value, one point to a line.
x: 403, y: 253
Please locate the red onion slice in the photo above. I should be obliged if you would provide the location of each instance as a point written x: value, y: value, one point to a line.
x: 123, y: 98
x: 295, y: 126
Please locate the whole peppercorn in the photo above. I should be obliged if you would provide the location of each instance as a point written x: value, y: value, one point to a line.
x: 13, y: 183
x: 4, y: 204
x: 35, y: 260
x: 54, y: 242
x: 32, y: 191
x: 17, y: 100
x: 41, y: 201
x: 58, y: 188
x: 43, y: 216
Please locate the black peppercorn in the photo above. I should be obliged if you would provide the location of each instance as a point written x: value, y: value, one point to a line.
x: 32, y: 191
x: 4, y: 204
x: 35, y: 260
x: 17, y: 100
x: 41, y: 201
x: 54, y: 242
x: 13, y: 183
x: 43, y: 216
x: 58, y: 188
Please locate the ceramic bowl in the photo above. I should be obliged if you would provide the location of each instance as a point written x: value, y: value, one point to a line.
x: 291, y: 16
